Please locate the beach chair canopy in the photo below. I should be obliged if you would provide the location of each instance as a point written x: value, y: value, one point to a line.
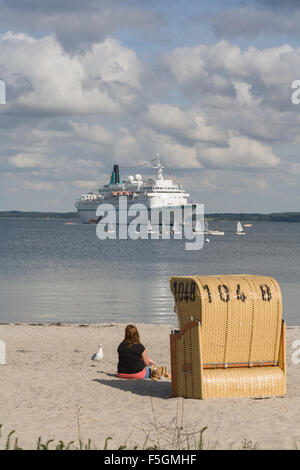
x: 231, y: 335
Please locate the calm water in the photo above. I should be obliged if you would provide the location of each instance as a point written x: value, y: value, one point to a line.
x: 52, y: 272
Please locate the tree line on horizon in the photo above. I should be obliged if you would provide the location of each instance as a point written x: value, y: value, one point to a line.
x: 228, y: 216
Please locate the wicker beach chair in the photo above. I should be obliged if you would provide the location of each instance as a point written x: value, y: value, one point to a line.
x: 231, y: 341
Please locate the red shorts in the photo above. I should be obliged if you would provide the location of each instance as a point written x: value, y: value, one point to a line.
x: 139, y: 375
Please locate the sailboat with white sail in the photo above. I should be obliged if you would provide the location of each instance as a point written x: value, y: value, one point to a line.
x: 240, y: 229
x: 176, y: 229
x: 110, y: 228
x: 197, y: 227
x: 150, y: 227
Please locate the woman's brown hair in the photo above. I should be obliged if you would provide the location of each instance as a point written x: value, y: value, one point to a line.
x: 131, y: 335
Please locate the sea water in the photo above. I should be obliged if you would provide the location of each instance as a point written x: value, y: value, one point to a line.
x: 55, y: 272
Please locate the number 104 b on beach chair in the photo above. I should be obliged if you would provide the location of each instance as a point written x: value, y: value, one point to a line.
x: 231, y: 341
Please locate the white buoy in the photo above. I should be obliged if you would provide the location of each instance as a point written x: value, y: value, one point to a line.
x: 2, y: 353
x: 98, y: 356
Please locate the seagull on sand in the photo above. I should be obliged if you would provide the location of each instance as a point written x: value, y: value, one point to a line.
x: 98, y: 356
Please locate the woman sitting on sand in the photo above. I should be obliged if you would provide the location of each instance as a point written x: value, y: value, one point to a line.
x: 134, y: 362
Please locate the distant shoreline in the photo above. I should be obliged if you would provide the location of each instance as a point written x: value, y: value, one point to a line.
x: 218, y: 217
x: 37, y: 215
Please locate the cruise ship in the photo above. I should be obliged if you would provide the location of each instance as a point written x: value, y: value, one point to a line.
x: 156, y: 194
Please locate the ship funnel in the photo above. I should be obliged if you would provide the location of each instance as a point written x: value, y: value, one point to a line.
x: 115, y: 176
x: 117, y: 173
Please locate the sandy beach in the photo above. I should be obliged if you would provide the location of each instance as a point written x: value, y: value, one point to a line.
x: 50, y: 388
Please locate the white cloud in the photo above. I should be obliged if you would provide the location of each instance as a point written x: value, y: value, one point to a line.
x: 241, y: 152
x: 190, y: 124
x: 168, y: 117
x: 248, y: 91
x: 172, y: 152
x: 93, y: 133
x: 224, y: 69
x: 43, y: 77
x: 109, y: 61
x: 26, y: 161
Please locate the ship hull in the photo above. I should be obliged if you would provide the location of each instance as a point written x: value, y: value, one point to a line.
x: 89, y: 216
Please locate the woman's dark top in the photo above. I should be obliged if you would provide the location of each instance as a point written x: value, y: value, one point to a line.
x: 130, y: 358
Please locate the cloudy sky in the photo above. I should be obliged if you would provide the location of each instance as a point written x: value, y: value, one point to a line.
x: 206, y: 84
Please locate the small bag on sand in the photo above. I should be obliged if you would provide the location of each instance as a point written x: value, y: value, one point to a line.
x: 158, y: 372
